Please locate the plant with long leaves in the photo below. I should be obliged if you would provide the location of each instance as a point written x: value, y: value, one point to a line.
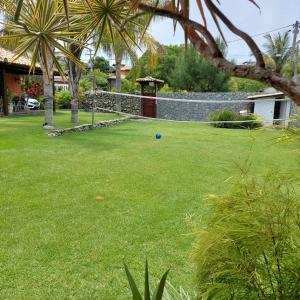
x: 278, y: 47
x: 248, y: 246
x: 158, y: 292
x: 41, y: 28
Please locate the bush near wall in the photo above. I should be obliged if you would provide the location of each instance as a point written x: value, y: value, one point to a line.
x: 230, y: 115
x: 245, y: 85
x: 63, y: 99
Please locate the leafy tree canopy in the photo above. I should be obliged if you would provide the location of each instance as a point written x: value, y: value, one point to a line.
x: 193, y: 73
x: 245, y: 85
x: 101, y: 64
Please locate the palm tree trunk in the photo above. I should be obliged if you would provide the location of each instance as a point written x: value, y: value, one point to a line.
x: 118, y: 73
x: 48, y: 88
x: 118, y: 82
x: 74, y: 79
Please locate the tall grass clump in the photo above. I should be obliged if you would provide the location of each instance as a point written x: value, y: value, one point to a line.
x: 227, y: 116
x: 249, y: 245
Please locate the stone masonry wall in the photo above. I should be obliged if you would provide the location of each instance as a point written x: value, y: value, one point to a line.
x: 189, y: 111
x: 126, y: 104
x: 184, y: 111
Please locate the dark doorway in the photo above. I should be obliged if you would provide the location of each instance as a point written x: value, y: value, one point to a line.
x: 149, y: 106
x: 277, y: 110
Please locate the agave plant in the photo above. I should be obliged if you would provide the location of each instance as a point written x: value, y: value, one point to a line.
x: 158, y: 292
x: 41, y: 27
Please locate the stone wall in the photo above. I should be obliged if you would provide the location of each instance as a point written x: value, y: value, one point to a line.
x: 189, y: 111
x: 86, y: 127
x: 184, y: 111
x: 103, y: 101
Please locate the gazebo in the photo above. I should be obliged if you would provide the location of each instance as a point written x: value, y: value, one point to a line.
x: 149, y: 88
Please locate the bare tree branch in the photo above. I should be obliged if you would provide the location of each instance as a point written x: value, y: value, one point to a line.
x: 206, y: 45
x: 247, y: 38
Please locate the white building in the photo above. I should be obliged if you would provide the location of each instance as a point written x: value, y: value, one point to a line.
x: 272, y: 107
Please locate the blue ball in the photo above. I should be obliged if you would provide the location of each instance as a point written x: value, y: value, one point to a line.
x: 158, y: 136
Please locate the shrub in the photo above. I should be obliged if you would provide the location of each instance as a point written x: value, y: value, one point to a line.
x: 249, y: 245
x: 63, y: 99
x: 245, y: 85
x: 228, y: 115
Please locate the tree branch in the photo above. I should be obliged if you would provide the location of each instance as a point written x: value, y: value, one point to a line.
x: 185, y: 21
x: 209, y: 49
x: 247, y: 38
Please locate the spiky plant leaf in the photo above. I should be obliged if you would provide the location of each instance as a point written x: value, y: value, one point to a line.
x: 135, y: 292
x: 147, y: 284
x: 158, y: 294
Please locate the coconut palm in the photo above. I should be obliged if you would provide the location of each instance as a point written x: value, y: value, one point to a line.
x: 41, y: 27
x: 278, y: 47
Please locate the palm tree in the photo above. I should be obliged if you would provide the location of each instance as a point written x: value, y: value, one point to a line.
x: 278, y: 47
x: 110, y: 27
x: 127, y: 49
x: 41, y: 27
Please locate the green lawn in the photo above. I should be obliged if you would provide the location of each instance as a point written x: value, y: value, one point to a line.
x: 59, y: 241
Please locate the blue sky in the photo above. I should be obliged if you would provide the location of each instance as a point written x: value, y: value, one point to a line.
x: 273, y: 14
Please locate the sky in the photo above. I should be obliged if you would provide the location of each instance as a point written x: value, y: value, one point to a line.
x: 273, y: 14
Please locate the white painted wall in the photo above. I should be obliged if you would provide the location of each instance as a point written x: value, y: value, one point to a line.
x: 265, y: 110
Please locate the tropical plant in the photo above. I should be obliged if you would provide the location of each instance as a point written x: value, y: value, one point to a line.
x: 158, y: 292
x: 248, y: 247
x: 160, y: 65
x: 126, y: 47
x: 95, y: 78
x: 41, y: 27
x: 278, y: 47
x: 63, y: 99
x: 226, y: 118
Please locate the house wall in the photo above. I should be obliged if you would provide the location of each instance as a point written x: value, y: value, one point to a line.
x: 13, y: 84
x: 265, y: 109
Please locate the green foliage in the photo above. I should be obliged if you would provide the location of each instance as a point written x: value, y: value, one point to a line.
x: 129, y: 86
x: 101, y: 64
x: 99, y: 78
x: 291, y: 132
x: 193, y: 73
x: 249, y: 245
x: 158, y: 292
x: 278, y: 47
x: 162, y: 67
x: 230, y: 115
x: 166, y: 89
x: 245, y: 85
x: 181, y: 70
x: 63, y: 99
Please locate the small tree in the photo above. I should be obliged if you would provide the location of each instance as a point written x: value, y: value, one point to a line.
x: 193, y: 73
x: 101, y: 64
